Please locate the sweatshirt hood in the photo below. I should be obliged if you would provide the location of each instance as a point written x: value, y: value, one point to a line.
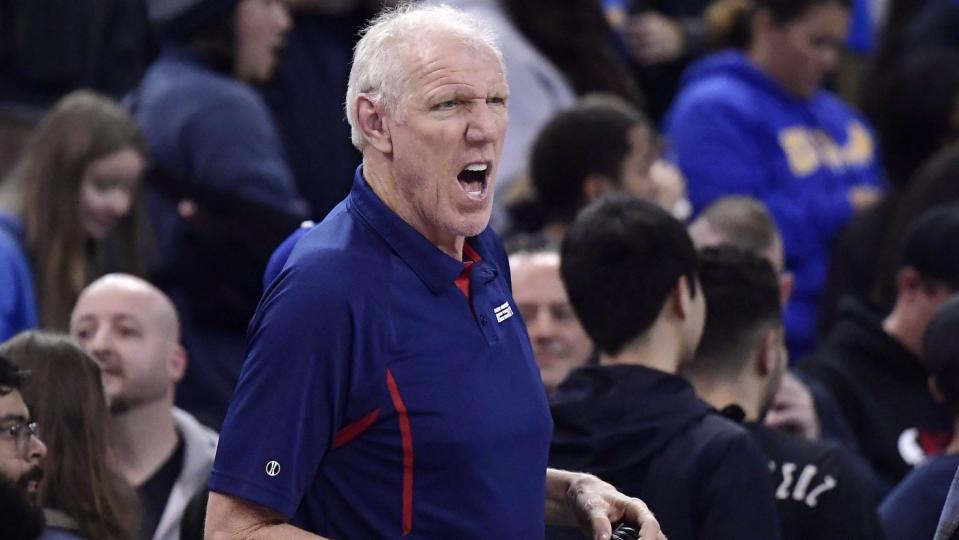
x: 612, y: 417
x: 734, y: 64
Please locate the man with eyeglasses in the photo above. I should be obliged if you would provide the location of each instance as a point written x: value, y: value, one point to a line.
x: 21, y: 450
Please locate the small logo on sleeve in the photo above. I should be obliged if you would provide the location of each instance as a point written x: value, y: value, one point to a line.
x: 273, y: 468
x: 503, y: 312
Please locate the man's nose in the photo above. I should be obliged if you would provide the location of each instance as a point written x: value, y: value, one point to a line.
x: 542, y: 327
x: 483, y: 124
x: 37, y: 449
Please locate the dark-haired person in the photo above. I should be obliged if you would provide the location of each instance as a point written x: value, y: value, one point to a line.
x: 738, y: 366
x: 223, y: 196
x: 873, y: 366
x: 912, y: 509
x: 21, y: 450
x: 82, y: 494
x: 759, y: 122
x: 630, y: 271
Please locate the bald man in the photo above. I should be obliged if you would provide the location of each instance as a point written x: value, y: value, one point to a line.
x: 133, y: 331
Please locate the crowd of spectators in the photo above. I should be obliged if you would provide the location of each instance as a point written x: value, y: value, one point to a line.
x: 732, y: 230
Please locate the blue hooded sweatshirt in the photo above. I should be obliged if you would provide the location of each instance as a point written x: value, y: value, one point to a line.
x: 733, y: 130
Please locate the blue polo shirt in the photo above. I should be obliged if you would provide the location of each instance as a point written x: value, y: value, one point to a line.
x: 376, y: 401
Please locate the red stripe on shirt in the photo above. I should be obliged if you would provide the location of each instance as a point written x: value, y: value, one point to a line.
x: 407, y: 437
x: 355, y: 429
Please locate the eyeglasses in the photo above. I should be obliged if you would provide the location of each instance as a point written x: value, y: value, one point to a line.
x: 21, y: 433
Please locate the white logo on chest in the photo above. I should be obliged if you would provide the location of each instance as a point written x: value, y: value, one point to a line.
x: 273, y: 468
x: 503, y: 312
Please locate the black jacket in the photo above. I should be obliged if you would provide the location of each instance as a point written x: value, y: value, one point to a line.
x: 647, y: 433
x: 883, y: 393
x: 818, y: 492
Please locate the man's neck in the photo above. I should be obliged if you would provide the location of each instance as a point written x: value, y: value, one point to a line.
x: 899, y: 327
x: 721, y: 393
x: 657, y: 349
x: 143, y: 439
x: 380, y: 179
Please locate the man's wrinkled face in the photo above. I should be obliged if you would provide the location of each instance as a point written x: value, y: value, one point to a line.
x: 447, y: 136
x: 559, y: 342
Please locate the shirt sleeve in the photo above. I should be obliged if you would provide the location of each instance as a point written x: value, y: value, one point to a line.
x: 737, y: 499
x: 292, y: 390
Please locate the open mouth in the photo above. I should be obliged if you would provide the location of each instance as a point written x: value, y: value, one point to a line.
x: 474, y: 179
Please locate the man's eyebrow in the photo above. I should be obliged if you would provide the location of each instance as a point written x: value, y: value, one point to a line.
x: 17, y: 417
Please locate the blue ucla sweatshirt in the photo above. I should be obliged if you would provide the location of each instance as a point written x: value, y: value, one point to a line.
x: 733, y: 130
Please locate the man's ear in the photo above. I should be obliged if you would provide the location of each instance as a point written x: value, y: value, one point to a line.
x: 176, y: 364
x: 907, y: 280
x: 373, y: 123
x: 767, y: 354
x: 936, y: 392
x: 787, y: 282
x: 680, y: 299
x: 595, y: 186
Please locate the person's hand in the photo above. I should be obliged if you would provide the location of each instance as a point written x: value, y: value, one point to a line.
x: 585, y: 501
x: 863, y: 197
x: 653, y: 38
x: 793, y: 409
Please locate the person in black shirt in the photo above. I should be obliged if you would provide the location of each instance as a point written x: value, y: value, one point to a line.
x: 873, y: 366
x: 738, y: 367
x: 630, y: 273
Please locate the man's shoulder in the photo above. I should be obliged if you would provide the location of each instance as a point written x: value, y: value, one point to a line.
x: 782, y: 447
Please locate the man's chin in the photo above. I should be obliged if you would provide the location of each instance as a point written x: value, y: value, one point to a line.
x: 21, y: 517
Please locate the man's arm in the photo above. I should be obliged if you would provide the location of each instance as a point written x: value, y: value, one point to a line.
x: 584, y: 501
x: 233, y: 518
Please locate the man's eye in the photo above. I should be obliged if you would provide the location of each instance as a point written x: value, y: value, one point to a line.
x: 449, y: 104
x: 496, y: 100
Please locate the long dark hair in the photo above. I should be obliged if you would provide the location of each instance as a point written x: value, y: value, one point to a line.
x: 82, y: 128
x: 66, y: 398
x: 730, y: 21
x: 577, y: 39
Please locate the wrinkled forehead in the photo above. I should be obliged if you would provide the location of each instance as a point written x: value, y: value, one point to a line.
x: 439, y: 47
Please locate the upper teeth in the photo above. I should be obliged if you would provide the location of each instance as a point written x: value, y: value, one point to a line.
x: 476, y: 167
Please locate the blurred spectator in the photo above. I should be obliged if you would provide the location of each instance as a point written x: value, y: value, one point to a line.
x: 630, y: 271
x: 132, y: 330
x: 738, y: 367
x: 70, y: 211
x: 873, y: 366
x: 223, y: 196
x: 912, y: 127
x: 559, y: 342
x: 551, y: 56
x: 21, y: 452
x: 601, y: 145
x: 49, y: 48
x: 912, y: 509
x: 759, y: 123
x: 662, y: 37
x: 307, y: 94
x: 82, y: 495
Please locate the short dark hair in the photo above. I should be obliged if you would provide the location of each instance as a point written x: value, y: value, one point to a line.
x: 619, y: 261
x: 592, y: 137
x: 931, y: 246
x: 742, y: 221
x: 730, y: 22
x: 940, y: 345
x: 742, y: 303
x: 11, y: 376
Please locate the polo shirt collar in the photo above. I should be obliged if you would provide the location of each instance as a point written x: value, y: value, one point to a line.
x: 434, y: 267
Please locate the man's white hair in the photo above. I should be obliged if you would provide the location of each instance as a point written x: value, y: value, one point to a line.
x: 378, y: 68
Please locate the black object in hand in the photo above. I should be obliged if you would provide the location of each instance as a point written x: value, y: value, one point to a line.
x: 625, y: 532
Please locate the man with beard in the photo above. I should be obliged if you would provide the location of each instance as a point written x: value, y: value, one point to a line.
x: 20, y: 453
x: 738, y: 368
x: 132, y: 330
